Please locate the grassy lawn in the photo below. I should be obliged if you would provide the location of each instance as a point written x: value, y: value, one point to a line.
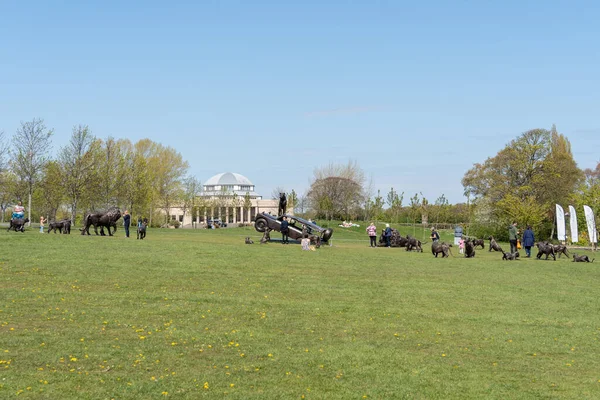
x: 198, y: 314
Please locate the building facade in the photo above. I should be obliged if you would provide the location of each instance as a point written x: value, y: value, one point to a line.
x: 229, y: 197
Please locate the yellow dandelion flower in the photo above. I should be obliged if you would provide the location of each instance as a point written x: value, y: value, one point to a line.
x: 205, y: 385
x: 165, y: 393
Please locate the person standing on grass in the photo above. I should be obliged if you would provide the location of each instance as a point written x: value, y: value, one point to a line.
x: 372, y: 232
x: 528, y: 240
x: 461, y: 245
x: 387, y: 234
x: 42, y: 222
x: 435, y: 236
x: 284, y: 230
x: 513, y: 234
x: 126, y: 222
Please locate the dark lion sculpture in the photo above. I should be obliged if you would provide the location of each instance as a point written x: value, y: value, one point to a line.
x: 395, y: 241
x: 107, y: 219
x: 18, y: 224
x: 547, y: 249
x: 583, y: 258
x: 437, y: 247
x: 63, y: 226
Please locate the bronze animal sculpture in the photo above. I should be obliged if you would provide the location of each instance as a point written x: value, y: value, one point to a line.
x: 107, y: 219
x: 437, y: 247
x: 141, y: 230
x: 469, y: 249
x: 582, y: 258
x: 413, y: 244
x: 266, y: 236
x: 560, y: 249
x: 545, y: 248
x: 494, y: 245
x: 63, y: 226
x: 17, y: 224
x: 511, y: 256
x: 479, y: 242
x: 282, y: 204
x: 248, y: 240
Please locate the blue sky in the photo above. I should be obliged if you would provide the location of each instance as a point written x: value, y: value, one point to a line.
x: 416, y: 92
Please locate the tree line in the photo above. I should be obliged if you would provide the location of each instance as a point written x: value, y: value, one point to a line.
x: 88, y: 173
x: 521, y: 183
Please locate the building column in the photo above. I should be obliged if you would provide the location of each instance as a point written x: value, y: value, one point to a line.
x: 212, y: 213
x: 235, y: 215
x: 227, y: 214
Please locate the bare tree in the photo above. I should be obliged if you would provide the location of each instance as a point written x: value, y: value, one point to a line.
x: 275, y: 193
x: 191, y: 190
x: 337, y: 190
x: 30, y: 152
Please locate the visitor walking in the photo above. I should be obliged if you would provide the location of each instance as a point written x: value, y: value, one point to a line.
x: 42, y: 222
x: 435, y: 236
x: 285, y: 230
x: 387, y: 234
x: 372, y: 232
x: 461, y: 245
x: 528, y: 240
x: 513, y: 234
x: 126, y: 222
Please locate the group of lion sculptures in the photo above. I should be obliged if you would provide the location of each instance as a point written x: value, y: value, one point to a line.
x: 470, y: 244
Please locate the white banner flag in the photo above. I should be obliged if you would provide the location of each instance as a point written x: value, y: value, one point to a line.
x: 573, y: 225
x: 591, y: 224
x: 560, y: 223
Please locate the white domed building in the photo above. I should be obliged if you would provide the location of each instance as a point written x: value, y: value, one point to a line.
x: 227, y: 196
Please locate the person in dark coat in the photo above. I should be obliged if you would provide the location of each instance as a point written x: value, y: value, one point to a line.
x: 126, y: 222
x: 528, y: 240
x: 285, y: 230
x: 387, y: 234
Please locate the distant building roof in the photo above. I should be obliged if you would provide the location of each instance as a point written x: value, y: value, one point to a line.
x: 228, y: 178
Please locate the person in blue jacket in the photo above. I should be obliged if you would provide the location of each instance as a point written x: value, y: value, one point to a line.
x: 387, y: 234
x: 528, y: 240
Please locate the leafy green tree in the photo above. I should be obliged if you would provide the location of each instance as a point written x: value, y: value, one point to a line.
x: 247, y: 204
x: 537, y: 169
x: 51, y: 189
x: 292, y: 200
x: 378, y: 204
x: 394, y: 201
x: 77, y: 162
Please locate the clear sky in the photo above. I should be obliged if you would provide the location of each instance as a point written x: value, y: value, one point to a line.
x: 415, y: 91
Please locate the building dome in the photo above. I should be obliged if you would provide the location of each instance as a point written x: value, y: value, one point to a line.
x: 228, y: 178
x: 229, y: 183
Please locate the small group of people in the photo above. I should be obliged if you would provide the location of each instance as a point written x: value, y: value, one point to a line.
x: 528, y: 239
x: 127, y: 222
x: 372, y: 232
x: 350, y: 224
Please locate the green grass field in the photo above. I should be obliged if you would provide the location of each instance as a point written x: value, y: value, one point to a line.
x: 198, y: 314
